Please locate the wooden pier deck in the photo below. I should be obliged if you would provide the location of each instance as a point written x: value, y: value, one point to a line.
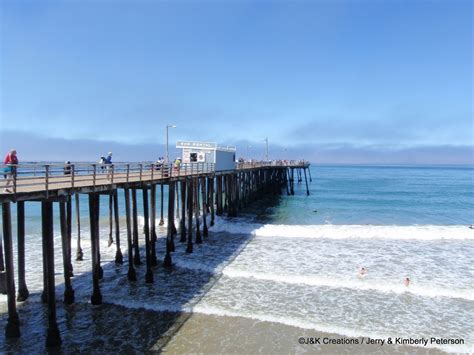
x: 195, y: 192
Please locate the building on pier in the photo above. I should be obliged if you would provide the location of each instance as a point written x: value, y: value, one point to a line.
x: 208, y: 152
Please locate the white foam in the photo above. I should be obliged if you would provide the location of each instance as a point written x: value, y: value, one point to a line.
x: 427, y: 232
x: 356, y: 284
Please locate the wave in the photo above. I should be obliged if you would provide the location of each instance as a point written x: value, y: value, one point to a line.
x: 331, y: 231
x: 317, y: 281
x: 428, y: 232
x: 289, y: 321
x: 425, y: 291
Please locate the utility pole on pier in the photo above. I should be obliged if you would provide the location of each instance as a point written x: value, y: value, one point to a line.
x: 167, y: 151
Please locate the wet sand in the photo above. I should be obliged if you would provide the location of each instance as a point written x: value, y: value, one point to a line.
x: 116, y: 329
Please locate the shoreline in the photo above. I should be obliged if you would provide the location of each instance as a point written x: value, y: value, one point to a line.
x: 117, y: 328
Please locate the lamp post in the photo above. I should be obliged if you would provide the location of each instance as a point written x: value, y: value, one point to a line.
x: 167, y: 152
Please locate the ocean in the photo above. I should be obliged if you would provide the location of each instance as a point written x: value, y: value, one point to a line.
x: 283, y: 276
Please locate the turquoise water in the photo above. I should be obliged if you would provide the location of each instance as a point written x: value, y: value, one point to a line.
x: 382, y: 196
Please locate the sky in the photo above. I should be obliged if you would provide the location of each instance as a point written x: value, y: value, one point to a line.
x: 369, y: 81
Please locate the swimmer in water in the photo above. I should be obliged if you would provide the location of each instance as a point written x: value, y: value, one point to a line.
x: 362, y: 272
x: 407, y: 281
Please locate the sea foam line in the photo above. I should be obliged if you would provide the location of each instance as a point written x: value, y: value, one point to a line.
x: 317, y: 281
x: 424, y: 291
x: 426, y: 232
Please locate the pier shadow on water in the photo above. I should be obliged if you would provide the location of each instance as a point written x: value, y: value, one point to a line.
x: 134, y: 316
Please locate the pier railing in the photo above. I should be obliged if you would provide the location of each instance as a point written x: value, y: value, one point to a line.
x: 261, y: 164
x: 32, y: 177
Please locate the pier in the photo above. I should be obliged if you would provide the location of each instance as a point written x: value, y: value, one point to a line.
x: 196, y: 193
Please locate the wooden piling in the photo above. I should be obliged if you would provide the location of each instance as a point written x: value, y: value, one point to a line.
x: 118, y: 252
x: 204, y: 194
x: 153, y: 235
x: 162, y: 222
x: 292, y: 181
x: 182, y: 222
x: 94, y: 206
x: 309, y: 172
x: 3, y: 276
x: 132, y: 276
x: 69, y: 234
x: 169, y: 234
x: 68, y: 290
x: 146, y: 227
x: 12, y: 329
x: 136, y: 258
x: 2, y: 262
x: 196, y: 208
x: 219, y: 195
x: 173, y: 226
x: 44, y: 293
x: 226, y: 193
x: 53, y: 338
x: 189, y: 246
x: 22, y: 288
x: 306, y: 181
x: 79, y: 253
x: 211, y: 199
x: 110, y: 242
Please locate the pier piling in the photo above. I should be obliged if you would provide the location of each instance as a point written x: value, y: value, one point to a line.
x: 79, y: 253
x: 118, y: 253
x: 161, y: 205
x: 94, y: 204
x: 22, y: 288
x: 110, y: 242
x: 131, y: 274
x: 196, y: 213
x: 153, y: 235
x: 182, y: 221
x: 204, y: 194
x: 53, y: 338
x: 136, y: 257
x: 189, y: 246
x: 169, y: 235
x: 146, y: 227
x: 306, y: 181
x: 12, y: 330
x: 68, y: 290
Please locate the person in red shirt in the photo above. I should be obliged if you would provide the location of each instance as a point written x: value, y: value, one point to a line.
x: 11, y: 160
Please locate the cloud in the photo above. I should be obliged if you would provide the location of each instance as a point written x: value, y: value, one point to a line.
x: 397, y: 127
x: 33, y: 147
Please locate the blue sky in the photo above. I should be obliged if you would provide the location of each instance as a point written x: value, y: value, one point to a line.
x: 330, y: 81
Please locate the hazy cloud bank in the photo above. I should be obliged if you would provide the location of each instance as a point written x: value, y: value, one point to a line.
x: 33, y: 147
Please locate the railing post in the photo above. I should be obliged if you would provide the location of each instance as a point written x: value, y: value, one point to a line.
x: 47, y: 179
x: 113, y: 171
x: 94, y: 172
x: 141, y: 168
x: 152, y: 170
x: 73, y: 173
x: 128, y: 172
x: 15, y: 174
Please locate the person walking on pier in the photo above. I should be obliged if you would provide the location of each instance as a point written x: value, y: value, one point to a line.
x: 108, y: 163
x: 11, y: 160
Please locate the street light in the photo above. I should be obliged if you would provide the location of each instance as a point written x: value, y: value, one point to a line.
x: 167, y: 153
